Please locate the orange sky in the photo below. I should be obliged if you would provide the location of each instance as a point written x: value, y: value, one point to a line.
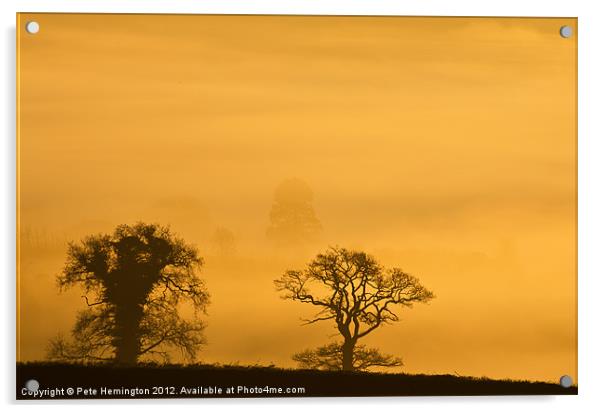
x: 445, y: 146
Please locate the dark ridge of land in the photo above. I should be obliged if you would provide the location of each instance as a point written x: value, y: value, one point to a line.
x: 201, y: 381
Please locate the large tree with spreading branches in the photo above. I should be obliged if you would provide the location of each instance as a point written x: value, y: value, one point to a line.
x: 359, y: 295
x: 135, y: 282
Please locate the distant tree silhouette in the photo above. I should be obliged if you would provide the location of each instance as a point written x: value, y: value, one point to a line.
x: 224, y: 242
x: 134, y: 280
x: 293, y: 220
x: 356, y: 293
x: 330, y: 357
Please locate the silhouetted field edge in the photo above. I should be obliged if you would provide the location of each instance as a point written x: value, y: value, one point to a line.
x: 315, y: 382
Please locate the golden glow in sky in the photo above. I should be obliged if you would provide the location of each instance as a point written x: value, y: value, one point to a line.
x: 444, y: 146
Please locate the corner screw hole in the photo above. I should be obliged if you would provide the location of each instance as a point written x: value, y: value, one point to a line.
x: 32, y: 27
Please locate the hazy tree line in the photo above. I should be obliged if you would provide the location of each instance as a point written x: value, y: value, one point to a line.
x: 136, y: 281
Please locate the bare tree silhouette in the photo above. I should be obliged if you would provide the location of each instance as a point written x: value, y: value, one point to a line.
x: 293, y: 220
x: 330, y: 357
x: 354, y: 291
x: 134, y: 280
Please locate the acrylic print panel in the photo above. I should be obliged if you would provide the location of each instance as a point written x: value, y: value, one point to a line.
x: 254, y: 206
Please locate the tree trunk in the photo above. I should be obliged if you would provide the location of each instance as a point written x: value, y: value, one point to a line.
x: 127, y: 337
x: 348, y: 355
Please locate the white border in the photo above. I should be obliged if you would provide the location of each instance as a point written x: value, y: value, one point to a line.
x: 590, y: 201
